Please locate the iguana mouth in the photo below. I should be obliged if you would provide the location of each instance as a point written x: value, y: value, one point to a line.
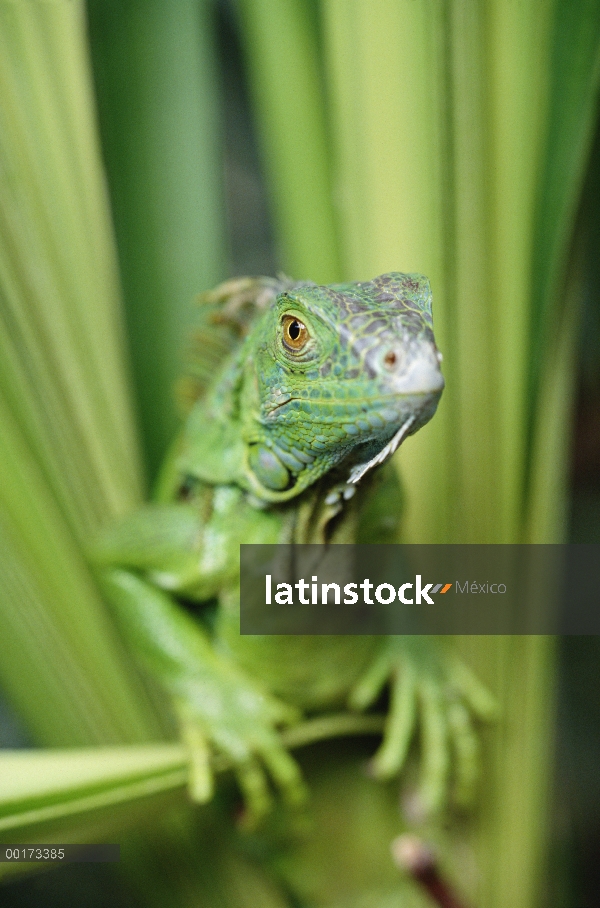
x: 374, y: 404
x: 281, y: 404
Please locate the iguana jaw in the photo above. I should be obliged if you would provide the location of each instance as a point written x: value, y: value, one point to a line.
x: 396, y: 416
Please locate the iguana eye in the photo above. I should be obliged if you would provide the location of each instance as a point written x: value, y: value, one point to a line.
x: 295, y: 333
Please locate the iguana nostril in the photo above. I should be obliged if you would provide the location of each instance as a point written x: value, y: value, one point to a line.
x: 390, y: 359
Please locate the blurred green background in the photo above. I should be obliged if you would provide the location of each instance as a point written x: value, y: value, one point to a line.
x: 331, y: 140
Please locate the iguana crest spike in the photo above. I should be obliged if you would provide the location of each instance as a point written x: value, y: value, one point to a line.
x: 225, y: 315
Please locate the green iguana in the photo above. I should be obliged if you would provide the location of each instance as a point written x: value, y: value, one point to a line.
x: 319, y: 388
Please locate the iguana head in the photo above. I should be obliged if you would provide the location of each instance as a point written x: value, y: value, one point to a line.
x: 336, y: 376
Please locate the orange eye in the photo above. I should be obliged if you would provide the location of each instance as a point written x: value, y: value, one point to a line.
x: 295, y: 333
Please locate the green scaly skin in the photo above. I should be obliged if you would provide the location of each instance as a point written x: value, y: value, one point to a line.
x: 274, y: 452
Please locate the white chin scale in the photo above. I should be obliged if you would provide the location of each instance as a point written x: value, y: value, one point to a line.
x: 357, y: 472
x: 346, y: 490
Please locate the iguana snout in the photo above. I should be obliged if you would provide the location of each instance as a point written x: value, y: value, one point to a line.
x: 405, y: 365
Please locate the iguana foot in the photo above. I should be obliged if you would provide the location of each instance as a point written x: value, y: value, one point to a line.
x: 438, y: 693
x: 225, y: 716
x: 229, y: 716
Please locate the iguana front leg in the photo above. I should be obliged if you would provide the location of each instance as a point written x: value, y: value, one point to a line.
x: 220, y: 708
